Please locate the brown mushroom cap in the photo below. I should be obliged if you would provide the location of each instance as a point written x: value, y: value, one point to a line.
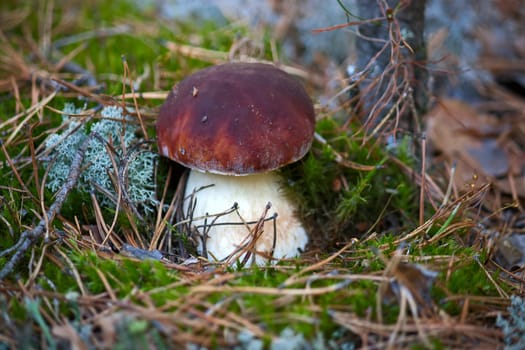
x: 237, y: 119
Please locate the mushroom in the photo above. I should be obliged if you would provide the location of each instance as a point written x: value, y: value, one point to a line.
x: 234, y: 124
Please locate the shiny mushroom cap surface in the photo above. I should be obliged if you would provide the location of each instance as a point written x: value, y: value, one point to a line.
x: 236, y: 119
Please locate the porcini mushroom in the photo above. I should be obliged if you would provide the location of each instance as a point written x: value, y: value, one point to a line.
x: 233, y: 125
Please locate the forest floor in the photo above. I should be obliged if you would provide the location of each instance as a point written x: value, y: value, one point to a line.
x: 416, y: 235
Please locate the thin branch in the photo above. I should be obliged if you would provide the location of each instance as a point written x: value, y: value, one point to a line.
x: 30, y: 237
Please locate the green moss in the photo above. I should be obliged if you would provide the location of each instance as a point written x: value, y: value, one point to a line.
x: 470, y: 278
x: 137, y: 334
x: 341, y: 200
x: 124, y: 275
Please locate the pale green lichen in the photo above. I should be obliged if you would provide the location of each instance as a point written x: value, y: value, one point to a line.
x: 289, y: 339
x: 61, y: 146
x: 513, y: 326
x: 114, y: 150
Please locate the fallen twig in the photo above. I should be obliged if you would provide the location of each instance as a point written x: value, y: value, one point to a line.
x: 29, y: 237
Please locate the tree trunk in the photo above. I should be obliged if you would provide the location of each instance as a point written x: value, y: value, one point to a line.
x: 391, y: 48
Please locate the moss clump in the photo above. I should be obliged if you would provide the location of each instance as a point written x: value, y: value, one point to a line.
x: 340, y: 200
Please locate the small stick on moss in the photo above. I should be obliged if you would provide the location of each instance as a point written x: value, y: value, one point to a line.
x: 30, y: 237
x: 340, y: 159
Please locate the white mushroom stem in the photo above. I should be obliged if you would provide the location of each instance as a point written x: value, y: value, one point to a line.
x: 252, y: 194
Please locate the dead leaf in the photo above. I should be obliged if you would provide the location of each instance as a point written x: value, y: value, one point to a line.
x: 480, y: 146
x: 68, y: 332
x: 106, y: 327
x: 417, y: 279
